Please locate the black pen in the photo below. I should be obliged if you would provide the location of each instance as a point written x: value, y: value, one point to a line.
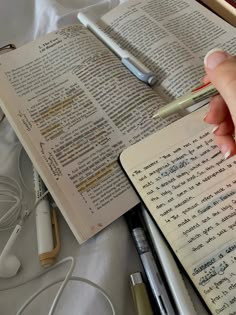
x: 153, y: 275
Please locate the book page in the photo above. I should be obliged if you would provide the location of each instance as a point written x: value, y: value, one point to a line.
x: 75, y: 108
x: 190, y: 190
x: 171, y: 38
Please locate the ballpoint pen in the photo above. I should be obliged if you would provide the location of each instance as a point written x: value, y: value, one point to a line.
x: 46, y: 225
x: 128, y: 60
x: 197, y: 95
x: 176, y: 283
x: 140, y: 295
x: 153, y: 275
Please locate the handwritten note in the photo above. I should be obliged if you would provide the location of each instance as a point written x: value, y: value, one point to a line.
x: 190, y: 190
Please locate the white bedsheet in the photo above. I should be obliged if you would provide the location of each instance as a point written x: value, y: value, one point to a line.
x: 108, y: 258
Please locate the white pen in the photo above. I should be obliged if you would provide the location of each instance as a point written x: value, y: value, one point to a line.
x: 43, y: 223
x: 177, y: 286
x: 128, y: 60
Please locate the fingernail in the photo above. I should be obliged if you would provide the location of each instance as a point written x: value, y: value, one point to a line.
x: 214, y: 57
x: 214, y: 129
x: 225, y: 150
x: 208, y: 110
x: 226, y: 155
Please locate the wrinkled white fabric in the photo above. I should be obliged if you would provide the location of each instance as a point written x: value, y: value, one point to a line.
x: 108, y: 258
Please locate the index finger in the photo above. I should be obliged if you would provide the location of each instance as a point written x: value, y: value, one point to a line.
x: 221, y: 70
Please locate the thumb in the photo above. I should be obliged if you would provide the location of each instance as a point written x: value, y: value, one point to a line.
x: 221, y: 71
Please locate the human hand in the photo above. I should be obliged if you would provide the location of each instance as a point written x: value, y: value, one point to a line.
x: 221, y: 71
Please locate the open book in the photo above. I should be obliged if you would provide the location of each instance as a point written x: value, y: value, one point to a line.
x: 75, y: 107
x: 190, y: 191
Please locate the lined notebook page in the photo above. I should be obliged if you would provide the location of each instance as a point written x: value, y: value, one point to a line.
x: 190, y: 191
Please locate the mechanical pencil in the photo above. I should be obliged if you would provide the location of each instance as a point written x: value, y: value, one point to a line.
x: 128, y: 60
x: 195, y: 96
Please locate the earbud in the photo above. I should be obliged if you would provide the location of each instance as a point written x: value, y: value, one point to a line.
x: 10, y: 264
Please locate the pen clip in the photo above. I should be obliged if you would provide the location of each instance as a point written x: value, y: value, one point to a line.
x: 48, y: 258
x: 139, y: 70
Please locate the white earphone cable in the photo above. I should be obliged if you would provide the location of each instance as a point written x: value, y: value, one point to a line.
x: 62, y: 287
x: 72, y: 278
x: 13, y: 194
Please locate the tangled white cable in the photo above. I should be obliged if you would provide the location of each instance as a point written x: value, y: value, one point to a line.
x: 11, y: 197
x: 64, y: 281
x: 11, y: 194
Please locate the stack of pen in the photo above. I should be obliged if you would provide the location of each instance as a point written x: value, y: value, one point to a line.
x: 168, y: 291
x: 162, y: 303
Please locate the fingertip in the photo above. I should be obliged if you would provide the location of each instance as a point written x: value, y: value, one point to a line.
x: 215, y: 129
x: 226, y: 144
x: 210, y: 52
x: 227, y: 155
x: 221, y: 69
x: 226, y: 150
x: 217, y: 111
x: 205, y: 79
x: 214, y: 57
x: 225, y: 128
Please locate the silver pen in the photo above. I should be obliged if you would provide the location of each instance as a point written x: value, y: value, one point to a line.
x: 176, y: 283
x: 153, y: 275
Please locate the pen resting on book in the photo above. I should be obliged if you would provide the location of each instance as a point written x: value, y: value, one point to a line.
x: 128, y: 60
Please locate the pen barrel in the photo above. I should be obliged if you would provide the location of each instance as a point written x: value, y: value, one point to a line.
x: 43, y: 217
x: 44, y: 227
x: 187, y: 100
x: 175, y: 106
x: 140, y: 240
x: 39, y: 186
x: 97, y: 31
x: 141, y: 299
x: 176, y: 283
x: 130, y: 61
x: 157, y: 286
